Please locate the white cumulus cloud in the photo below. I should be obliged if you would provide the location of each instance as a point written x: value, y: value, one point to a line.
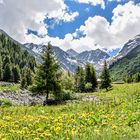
x: 16, y: 16
x: 93, y: 2
x: 15, y: 19
x: 99, y: 33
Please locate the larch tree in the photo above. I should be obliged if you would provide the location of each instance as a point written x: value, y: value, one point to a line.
x: 47, y: 77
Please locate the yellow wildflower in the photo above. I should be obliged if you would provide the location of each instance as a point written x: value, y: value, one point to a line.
x: 73, y: 132
x: 114, y: 126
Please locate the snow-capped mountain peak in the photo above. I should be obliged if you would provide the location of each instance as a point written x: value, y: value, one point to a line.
x: 72, y: 52
x: 130, y: 45
x: 70, y: 59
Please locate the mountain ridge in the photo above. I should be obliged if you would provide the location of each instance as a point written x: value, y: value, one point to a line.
x: 72, y: 52
x: 69, y: 61
x: 128, y: 60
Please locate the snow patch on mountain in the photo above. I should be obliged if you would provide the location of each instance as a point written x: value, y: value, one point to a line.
x: 70, y: 59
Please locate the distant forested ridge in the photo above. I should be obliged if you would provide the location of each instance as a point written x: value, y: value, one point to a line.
x: 14, y: 59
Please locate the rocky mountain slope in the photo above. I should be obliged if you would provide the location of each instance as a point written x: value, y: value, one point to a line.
x: 127, y: 62
x: 93, y: 56
x: 128, y: 47
x: 67, y: 62
x: 72, y: 52
x: 70, y: 59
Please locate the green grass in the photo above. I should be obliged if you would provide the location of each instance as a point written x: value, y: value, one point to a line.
x: 10, y: 87
x: 116, y: 117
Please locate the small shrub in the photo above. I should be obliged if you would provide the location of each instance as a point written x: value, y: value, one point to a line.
x: 66, y: 95
x: 5, y: 103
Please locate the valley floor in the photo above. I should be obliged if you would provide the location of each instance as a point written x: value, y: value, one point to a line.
x: 116, y: 116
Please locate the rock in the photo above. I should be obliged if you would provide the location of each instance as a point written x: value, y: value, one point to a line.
x: 23, y: 98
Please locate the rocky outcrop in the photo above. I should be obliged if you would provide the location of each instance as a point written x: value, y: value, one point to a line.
x: 23, y: 98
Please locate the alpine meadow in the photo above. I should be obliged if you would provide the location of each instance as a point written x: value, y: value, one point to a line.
x: 69, y: 70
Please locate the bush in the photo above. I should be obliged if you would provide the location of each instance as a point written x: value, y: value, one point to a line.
x: 5, y: 103
x: 65, y: 95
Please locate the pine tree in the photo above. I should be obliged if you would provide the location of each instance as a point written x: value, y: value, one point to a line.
x: 79, y: 80
x: 7, y: 73
x: 23, y: 83
x: 93, y: 78
x: 88, y: 73
x: 105, y: 78
x: 6, y: 60
x: 15, y: 74
x: 47, y: 78
x: 26, y: 78
x: 82, y: 80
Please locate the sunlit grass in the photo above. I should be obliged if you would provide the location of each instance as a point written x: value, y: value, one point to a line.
x: 115, y: 117
x: 10, y: 87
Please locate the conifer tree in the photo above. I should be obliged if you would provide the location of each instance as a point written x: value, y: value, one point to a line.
x: 129, y: 79
x: 12, y: 54
x: 15, y: 74
x: 29, y: 76
x: 137, y: 77
x: 91, y: 76
x: 23, y: 83
x: 105, y: 78
x: 26, y: 77
x: 7, y: 73
x: 82, y: 80
x: 47, y: 78
x: 88, y: 74
x: 6, y: 60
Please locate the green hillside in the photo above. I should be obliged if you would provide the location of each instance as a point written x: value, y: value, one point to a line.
x: 128, y: 65
x: 13, y: 59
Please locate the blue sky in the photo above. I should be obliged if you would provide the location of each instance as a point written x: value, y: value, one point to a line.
x: 77, y: 24
x: 85, y: 11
